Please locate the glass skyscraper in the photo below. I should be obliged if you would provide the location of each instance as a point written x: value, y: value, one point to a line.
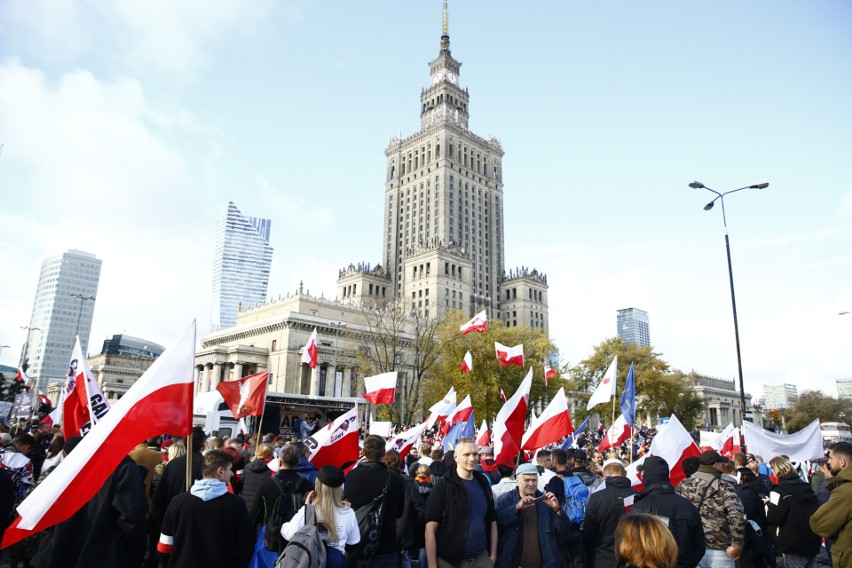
x: 64, y: 306
x: 241, y: 267
x: 633, y: 327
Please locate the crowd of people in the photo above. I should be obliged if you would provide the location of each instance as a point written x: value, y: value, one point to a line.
x: 252, y: 500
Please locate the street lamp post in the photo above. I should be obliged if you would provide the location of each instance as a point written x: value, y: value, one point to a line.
x: 2, y: 347
x: 25, y: 355
x: 82, y: 299
x: 721, y: 198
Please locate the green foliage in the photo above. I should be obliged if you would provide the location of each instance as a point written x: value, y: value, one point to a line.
x: 9, y: 388
x: 813, y: 404
x: 483, y: 384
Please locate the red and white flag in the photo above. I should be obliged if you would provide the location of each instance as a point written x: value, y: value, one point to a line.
x: 337, y: 443
x: 502, y: 395
x: 478, y: 323
x: 404, y: 441
x: 467, y: 363
x: 84, y: 404
x: 606, y: 388
x: 510, y: 355
x: 309, y: 351
x: 42, y: 398
x: 159, y: 402
x: 731, y: 445
x: 441, y: 409
x: 54, y: 418
x: 672, y: 443
x: 460, y: 413
x: 21, y: 377
x: 617, y: 433
x: 483, y: 437
x: 554, y: 423
x: 246, y: 396
x: 381, y: 389
x: 549, y: 373
x: 509, y: 424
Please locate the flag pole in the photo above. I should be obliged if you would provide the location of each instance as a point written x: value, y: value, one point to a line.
x: 189, y: 460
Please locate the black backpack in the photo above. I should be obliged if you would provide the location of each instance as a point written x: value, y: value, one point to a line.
x: 283, y: 510
x: 370, y: 518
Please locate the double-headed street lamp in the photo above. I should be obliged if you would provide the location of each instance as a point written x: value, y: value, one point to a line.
x: 721, y: 198
x: 82, y: 299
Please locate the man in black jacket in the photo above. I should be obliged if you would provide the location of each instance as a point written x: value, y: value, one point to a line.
x: 173, y: 481
x: 659, y: 499
x: 571, y: 549
x: 365, y: 483
x: 606, y: 506
x: 273, y: 487
x: 460, y: 520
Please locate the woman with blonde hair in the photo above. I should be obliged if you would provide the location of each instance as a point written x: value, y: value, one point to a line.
x: 341, y: 534
x: 788, y: 511
x: 644, y: 541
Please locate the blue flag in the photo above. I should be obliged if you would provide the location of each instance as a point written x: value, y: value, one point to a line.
x: 569, y: 441
x: 628, y: 399
x: 458, y: 431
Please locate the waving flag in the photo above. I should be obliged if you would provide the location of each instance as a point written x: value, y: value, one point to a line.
x: 628, y: 399
x: 606, y: 388
x: 617, y: 433
x: 463, y: 429
x: 441, y: 409
x: 569, y: 441
x: 672, y: 443
x: 467, y: 363
x: 551, y: 425
x: 806, y: 444
x: 21, y: 377
x: 509, y: 424
x: 85, y: 404
x: 478, y: 323
x: 510, y: 355
x: 483, y: 436
x: 159, y: 402
x: 246, y: 396
x: 549, y: 373
x: 502, y: 395
x: 460, y: 413
x: 337, y: 443
x: 381, y: 389
x: 309, y: 351
x: 404, y: 441
x: 732, y: 444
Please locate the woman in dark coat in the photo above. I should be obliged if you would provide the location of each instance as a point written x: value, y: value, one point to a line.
x: 758, y: 550
x: 420, y: 490
x: 788, y: 511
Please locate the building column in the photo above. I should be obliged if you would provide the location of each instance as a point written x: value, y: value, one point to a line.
x: 217, y: 375
x: 347, y: 381
x: 198, y: 377
x: 315, y: 373
x: 330, y: 373
x: 238, y: 371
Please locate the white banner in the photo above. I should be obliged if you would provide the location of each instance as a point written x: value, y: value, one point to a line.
x: 806, y: 444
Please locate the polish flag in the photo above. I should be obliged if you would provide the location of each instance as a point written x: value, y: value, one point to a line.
x: 55, y: 417
x: 309, y: 351
x: 478, y: 323
x: 246, y: 396
x: 381, y: 389
x: 159, y: 402
x: 84, y: 404
x: 441, y: 409
x: 467, y: 363
x: 502, y: 395
x: 732, y: 444
x: 21, y: 377
x: 483, y: 437
x: 337, y: 443
x: 672, y: 443
x: 549, y: 373
x: 606, y: 388
x: 404, y: 441
x: 722, y: 437
x: 617, y: 433
x: 42, y: 398
x: 509, y: 424
x: 553, y: 424
x: 510, y: 355
x: 460, y: 413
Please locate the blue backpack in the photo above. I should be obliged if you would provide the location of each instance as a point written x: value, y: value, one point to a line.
x: 576, y: 499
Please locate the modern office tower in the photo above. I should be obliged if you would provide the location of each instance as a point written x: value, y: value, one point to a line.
x: 123, y: 344
x: 241, y: 267
x: 844, y: 388
x: 63, y: 309
x: 442, y: 243
x: 632, y: 326
x: 780, y: 396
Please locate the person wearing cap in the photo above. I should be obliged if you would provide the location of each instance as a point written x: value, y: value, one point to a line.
x: 460, y: 522
x: 336, y: 521
x: 605, y: 508
x: 658, y: 498
x: 530, y: 523
x: 753, y: 463
x: 720, y: 509
x: 581, y: 470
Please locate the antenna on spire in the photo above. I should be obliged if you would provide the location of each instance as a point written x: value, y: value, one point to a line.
x: 445, y: 35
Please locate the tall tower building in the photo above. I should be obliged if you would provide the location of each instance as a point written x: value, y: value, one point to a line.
x: 442, y: 245
x: 632, y: 324
x: 241, y: 266
x: 63, y: 308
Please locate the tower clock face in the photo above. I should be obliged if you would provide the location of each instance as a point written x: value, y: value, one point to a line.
x: 437, y: 78
x: 451, y: 78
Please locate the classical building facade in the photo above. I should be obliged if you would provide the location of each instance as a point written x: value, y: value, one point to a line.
x: 722, y: 402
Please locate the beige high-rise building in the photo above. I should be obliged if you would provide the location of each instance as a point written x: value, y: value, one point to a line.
x: 443, y: 245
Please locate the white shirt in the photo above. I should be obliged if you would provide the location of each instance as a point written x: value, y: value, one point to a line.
x: 545, y: 478
x: 505, y: 485
x: 344, y: 520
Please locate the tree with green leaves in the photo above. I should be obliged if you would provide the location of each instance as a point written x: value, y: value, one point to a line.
x: 813, y: 404
x: 9, y: 388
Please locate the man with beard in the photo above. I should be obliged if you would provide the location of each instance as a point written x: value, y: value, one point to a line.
x: 834, y: 518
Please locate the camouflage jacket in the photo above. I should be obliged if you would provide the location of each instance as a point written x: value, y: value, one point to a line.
x: 721, y: 512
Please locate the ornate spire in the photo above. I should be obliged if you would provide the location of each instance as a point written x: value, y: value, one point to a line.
x: 445, y: 36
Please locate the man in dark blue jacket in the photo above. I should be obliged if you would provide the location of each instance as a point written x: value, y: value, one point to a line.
x: 531, y: 524
x: 605, y: 508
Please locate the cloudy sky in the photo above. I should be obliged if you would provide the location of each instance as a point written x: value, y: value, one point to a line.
x: 128, y: 126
